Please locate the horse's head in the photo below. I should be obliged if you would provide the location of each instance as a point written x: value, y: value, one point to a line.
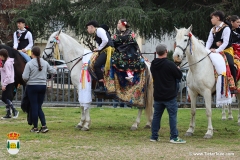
x: 182, y: 41
x: 48, y: 52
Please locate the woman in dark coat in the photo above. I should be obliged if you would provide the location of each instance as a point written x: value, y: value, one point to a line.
x: 127, y: 57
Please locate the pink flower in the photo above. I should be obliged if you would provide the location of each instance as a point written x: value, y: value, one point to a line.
x: 114, y: 36
x: 133, y: 35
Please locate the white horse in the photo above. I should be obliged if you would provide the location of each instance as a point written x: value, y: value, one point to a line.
x: 71, y: 50
x: 200, y: 78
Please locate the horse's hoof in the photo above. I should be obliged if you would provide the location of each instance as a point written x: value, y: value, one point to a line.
x: 133, y: 128
x: 188, y: 134
x: 230, y: 118
x: 78, y: 127
x: 207, y: 136
x: 224, y: 118
x: 239, y: 123
x: 85, y: 129
x: 147, y: 127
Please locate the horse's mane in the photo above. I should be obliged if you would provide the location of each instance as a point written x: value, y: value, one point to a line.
x: 73, y: 41
x: 11, y: 52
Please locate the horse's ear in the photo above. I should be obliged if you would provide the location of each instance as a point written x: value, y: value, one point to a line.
x: 190, y: 29
x: 59, y: 31
x: 175, y: 28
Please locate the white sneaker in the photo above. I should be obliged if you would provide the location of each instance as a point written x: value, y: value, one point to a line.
x: 177, y: 140
x: 154, y: 140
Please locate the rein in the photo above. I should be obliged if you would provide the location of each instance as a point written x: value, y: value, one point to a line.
x: 79, y: 59
x: 196, y: 62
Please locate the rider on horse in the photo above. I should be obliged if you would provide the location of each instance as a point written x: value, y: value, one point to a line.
x: 219, y: 40
x: 23, y: 40
x: 105, y: 50
x: 234, y: 22
x: 127, y: 58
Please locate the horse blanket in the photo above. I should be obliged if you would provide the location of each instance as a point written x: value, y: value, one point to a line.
x: 115, y: 83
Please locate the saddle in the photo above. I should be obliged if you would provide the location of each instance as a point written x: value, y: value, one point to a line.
x: 229, y: 78
x: 236, y: 48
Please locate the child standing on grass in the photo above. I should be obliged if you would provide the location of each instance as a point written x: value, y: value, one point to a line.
x: 35, y: 74
x: 7, y: 82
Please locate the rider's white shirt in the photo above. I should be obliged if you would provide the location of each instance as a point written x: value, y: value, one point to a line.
x: 101, y: 33
x: 225, y: 36
x: 27, y: 36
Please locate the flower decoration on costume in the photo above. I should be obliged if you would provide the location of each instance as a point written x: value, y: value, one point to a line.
x: 124, y: 23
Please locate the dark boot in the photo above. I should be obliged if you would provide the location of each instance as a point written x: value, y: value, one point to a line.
x: 8, y: 115
x: 14, y: 111
x: 100, y: 90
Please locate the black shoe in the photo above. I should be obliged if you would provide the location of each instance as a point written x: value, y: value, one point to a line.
x: 15, y: 113
x: 34, y: 130
x: 6, y: 117
x: 100, y: 90
x: 44, y: 129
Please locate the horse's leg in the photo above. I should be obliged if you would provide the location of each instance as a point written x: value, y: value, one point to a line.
x: 87, y: 123
x: 149, y: 121
x: 208, y: 101
x: 149, y: 102
x: 193, y: 96
x: 82, y: 119
x: 223, y: 113
x: 230, y: 116
x: 136, y: 123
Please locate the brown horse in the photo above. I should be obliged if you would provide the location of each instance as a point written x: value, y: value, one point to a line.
x: 19, y: 65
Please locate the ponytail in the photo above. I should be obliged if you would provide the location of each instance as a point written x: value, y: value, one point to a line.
x: 39, y: 63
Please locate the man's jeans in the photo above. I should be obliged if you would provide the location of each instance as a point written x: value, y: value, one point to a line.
x: 159, y: 107
x: 25, y: 56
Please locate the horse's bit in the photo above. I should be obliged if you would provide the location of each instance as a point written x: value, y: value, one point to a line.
x: 52, y: 48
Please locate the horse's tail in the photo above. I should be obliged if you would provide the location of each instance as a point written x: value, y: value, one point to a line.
x: 149, y: 94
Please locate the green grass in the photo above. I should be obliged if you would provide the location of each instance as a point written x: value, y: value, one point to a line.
x: 110, y: 136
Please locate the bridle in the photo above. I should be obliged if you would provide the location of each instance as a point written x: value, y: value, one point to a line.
x: 184, y: 54
x: 52, y: 48
x: 184, y: 50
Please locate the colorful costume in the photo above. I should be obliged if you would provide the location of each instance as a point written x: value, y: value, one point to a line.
x: 127, y: 57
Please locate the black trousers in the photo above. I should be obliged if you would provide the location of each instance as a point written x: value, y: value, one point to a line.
x: 231, y: 65
x: 7, y: 95
x: 101, y: 60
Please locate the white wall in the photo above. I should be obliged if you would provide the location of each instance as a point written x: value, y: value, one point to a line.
x: 149, y: 46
